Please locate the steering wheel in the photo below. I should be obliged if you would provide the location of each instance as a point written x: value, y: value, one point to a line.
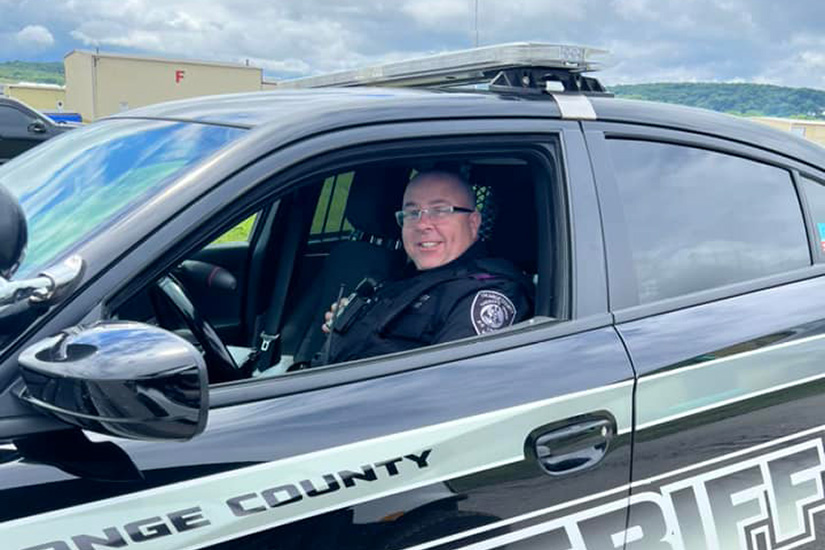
x: 168, y: 294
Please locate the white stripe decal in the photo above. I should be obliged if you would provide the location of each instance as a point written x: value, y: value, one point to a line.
x: 743, y: 355
x: 552, y: 512
x: 731, y: 401
x: 706, y: 386
x: 221, y: 507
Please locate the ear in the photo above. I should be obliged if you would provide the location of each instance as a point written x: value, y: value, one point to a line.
x: 475, y: 223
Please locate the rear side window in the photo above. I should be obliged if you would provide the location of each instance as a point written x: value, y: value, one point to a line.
x: 698, y: 219
x: 9, y: 116
x: 329, y: 222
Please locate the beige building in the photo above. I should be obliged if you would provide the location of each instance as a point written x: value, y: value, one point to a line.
x: 99, y: 84
x: 811, y: 129
x: 43, y: 97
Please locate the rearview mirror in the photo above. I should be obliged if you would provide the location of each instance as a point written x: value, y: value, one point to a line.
x: 119, y: 378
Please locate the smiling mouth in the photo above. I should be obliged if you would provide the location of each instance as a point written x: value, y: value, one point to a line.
x: 428, y: 244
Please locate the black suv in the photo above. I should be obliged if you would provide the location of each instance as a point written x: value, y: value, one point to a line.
x: 665, y: 394
x: 21, y: 128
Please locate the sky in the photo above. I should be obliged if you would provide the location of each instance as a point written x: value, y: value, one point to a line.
x: 759, y: 41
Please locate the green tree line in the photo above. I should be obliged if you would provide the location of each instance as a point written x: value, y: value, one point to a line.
x: 23, y: 71
x: 741, y: 99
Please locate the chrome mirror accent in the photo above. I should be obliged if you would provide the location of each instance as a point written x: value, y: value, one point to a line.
x: 48, y: 287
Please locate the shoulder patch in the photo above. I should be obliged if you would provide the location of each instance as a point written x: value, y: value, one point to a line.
x: 491, y: 311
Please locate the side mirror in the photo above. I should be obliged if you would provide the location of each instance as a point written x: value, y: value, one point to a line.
x: 123, y: 378
x: 13, y: 234
x: 37, y: 127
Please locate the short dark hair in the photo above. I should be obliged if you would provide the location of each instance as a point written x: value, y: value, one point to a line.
x: 465, y: 187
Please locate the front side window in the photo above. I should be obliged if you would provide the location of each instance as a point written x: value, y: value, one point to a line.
x: 698, y: 219
x: 334, y: 240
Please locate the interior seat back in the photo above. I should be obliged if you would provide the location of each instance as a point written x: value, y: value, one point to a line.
x: 373, y: 250
x: 508, y: 196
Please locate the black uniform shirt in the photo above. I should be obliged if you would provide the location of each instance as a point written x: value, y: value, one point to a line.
x: 471, y: 295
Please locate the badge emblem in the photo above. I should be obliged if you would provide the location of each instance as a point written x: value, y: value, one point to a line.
x: 491, y: 311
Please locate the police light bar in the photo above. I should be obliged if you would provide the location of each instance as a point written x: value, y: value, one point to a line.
x: 476, y: 65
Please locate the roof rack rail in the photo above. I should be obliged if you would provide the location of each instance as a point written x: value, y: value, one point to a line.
x: 522, y: 67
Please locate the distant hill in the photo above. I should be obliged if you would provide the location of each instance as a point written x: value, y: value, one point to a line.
x: 739, y: 99
x: 23, y: 71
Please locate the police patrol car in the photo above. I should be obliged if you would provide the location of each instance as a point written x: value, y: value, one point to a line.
x: 666, y: 394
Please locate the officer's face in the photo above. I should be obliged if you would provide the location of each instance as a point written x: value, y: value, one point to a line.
x: 434, y: 242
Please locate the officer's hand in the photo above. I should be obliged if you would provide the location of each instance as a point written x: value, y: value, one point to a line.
x: 329, y: 315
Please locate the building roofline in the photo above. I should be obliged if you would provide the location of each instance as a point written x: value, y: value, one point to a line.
x: 791, y: 120
x: 37, y: 85
x: 165, y: 60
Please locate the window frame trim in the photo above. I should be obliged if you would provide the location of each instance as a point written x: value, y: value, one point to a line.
x: 545, y: 148
x: 623, y: 297
x: 343, y: 150
x: 818, y: 254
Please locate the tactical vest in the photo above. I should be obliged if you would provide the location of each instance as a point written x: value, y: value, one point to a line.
x: 397, y: 315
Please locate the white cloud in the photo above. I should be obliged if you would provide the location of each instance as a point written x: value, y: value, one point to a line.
x: 634, y: 9
x: 439, y: 13
x: 283, y: 67
x: 35, y: 35
x: 803, y: 68
x: 686, y: 40
x: 280, y: 40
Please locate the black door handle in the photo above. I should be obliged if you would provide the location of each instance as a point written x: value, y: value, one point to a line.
x: 572, y: 446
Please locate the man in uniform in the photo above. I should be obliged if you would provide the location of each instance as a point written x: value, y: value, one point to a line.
x: 452, y: 290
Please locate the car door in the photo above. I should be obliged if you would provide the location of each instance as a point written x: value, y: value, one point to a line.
x: 517, y: 440
x: 721, y: 309
x: 19, y: 131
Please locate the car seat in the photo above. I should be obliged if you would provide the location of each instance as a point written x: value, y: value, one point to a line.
x: 373, y: 249
x: 506, y: 198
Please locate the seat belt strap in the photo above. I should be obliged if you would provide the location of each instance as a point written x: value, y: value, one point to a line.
x: 268, y: 339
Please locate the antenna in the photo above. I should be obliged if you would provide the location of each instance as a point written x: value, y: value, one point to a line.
x: 476, y: 24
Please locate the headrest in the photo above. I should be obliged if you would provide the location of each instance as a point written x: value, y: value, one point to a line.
x: 12, y: 232
x: 514, y: 231
x: 375, y: 194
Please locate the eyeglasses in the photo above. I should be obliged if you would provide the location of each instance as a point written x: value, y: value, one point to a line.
x: 434, y: 213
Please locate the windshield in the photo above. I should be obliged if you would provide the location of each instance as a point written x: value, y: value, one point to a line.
x: 72, y: 186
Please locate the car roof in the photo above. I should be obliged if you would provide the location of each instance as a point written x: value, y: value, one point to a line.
x: 256, y: 109
x: 13, y: 101
x: 321, y: 108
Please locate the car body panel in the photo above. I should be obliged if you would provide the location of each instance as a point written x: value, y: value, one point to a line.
x: 283, y: 441
x: 729, y: 378
x: 723, y: 384
x: 735, y: 398
x: 269, y: 406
